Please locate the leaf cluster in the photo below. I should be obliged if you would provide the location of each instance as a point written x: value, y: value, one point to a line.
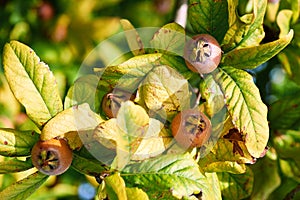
x: 134, y: 154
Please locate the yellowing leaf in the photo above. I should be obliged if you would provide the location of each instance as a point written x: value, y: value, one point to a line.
x: 133, y: 135
x: 165, y: 91
x: 129, y: 74
x: 244, y: 104
x: 283, y: 20
x: 154, y: 142
x: 136, y: 193
x: 170, y: 38
x: 17, y: 143
x: 236, y: 186
x: 133, y: 39
x: 75, y: 119
x: 24, y: 188
x: 32, y: 82
x: 115, y: 187
x: 252, y: 57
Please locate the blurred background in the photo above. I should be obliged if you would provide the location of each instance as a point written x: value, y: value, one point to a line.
x: 63, y: 32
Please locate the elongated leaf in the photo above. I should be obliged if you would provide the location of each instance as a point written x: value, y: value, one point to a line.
x: 17, y: 143
x: 251, y: 57
x: 115, y: 187
x: 208, y: 16
x: 14, y: 165
x: 133, y: 39
x: 32, y: 82
x: 246, y: 30
x: 170, y: 38
x: 87, y: 165
x: 128, y: 75
x: 259, y: 10
x: 236, y: 186
x: 285, y: 113
x: 244, y: 104
x: 70, y: 122
x: 24, y: 188
x: 176, y: 173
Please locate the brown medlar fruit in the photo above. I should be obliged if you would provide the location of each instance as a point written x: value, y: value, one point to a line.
x: 111, y: 102
x: 191, y: 128
x: 52, y: 157
x: 202, y: 53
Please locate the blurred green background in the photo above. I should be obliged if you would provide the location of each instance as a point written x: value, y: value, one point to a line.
x: 63, y: 32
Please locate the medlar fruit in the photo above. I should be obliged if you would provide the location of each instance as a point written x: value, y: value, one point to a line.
x: 111, y: 102
x: 202, y: 53
x: 191, y: 128
x: 52, y: 157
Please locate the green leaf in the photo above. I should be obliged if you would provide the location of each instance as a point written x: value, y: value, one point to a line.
x: 17, y: 143
x: 211, y: 92
x: 236, y: 186
x: 246, y: 30
x: 133, y: 39
x: 136, y: 193
x: 83, y: 91
x: 244, y: 104
x: 286, y: 186
x: 25, y: 187
x: 208, y: 16
x: 14, y: 165
x: 285, y: 113
x: 290, y: 59
x: 259, y: 10
x: 176, y: 173
x: 170, y: 38
x: 88, y: 166
x: 115, y: 187
x: 32, y: 82
x: 251, y: 57
x: 165, y: 92
x: 290, y: 168
x: 287, y: 144
x: 178, y: 63
x: 69, y: 123
x: 266, y: 176
x: 128, y: 75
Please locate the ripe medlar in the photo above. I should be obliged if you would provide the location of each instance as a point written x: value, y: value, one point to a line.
x: 191, y: 128
x: 52, y: 157
x: 111, y: 102
x: 202, y: 53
